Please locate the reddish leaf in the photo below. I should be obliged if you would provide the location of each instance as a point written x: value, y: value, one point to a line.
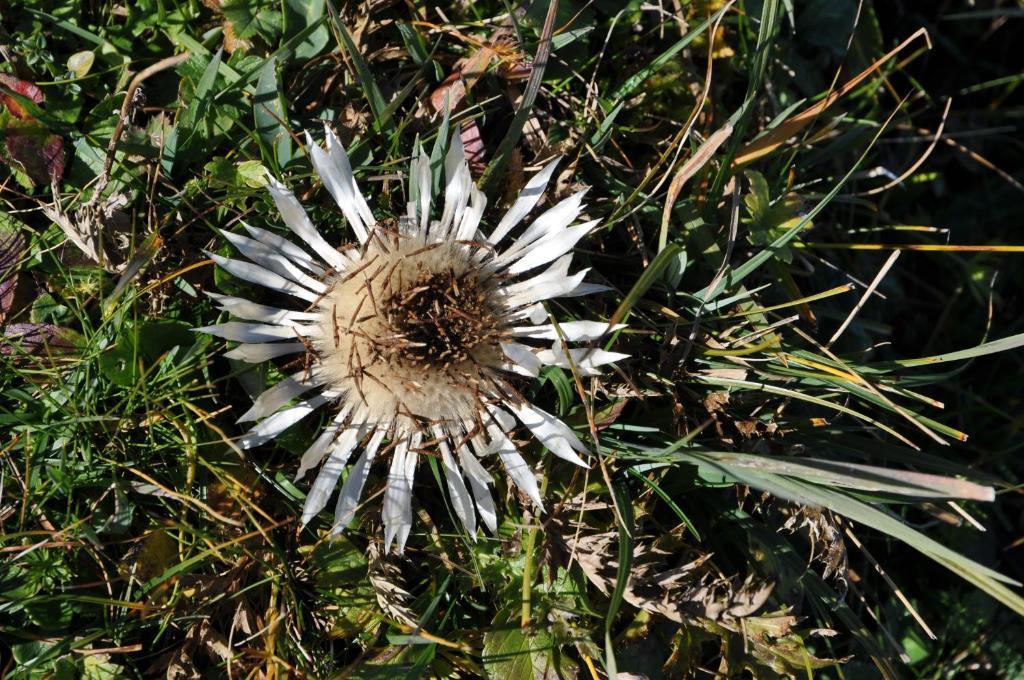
x: 515, y: 70
x: 462, y: 78
x: 12, y: 246
x: 37, y: 340
x: 30, y: 147
x: 39, y: 153
x: 22, y: 87
x: 474, y: 146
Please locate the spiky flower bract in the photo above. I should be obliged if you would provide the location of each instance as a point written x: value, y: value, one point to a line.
x: 418, y: 335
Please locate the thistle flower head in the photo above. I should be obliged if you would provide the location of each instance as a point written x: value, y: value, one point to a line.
x: 418, y: 335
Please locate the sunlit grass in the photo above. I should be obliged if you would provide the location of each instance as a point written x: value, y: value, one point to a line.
x: 807, y: 466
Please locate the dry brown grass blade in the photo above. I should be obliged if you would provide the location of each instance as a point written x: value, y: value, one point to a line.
x: 690, y: 168
x: 919, y: 162
x: 153, y: 69
x: 868, y: 292
x: 791, y: 126
x: 895, y: 589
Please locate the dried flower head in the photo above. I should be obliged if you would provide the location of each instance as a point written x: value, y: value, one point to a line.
x: 414, y: 336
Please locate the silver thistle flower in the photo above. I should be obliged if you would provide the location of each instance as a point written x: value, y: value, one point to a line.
x: 412, y: 336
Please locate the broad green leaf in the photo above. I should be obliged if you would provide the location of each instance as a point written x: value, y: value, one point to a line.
x: 251, y: 18
x: 303, y: 14
x: 270, y: 116
x: 511, y: 653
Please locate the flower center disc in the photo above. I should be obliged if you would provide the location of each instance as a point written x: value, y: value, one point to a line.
x: 412, y: 330
x: 442, y: 318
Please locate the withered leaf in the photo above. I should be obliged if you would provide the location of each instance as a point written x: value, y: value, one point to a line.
x: 12, y: 248
x: 682, y: 594
x: 386, y: 580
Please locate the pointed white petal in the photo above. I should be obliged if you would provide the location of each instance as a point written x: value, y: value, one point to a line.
x: 552, y: 283
x: 457, y: 490
x: 397, y: 508
x: 550, y: 247
x: 556, y: 271
x: 336, y: 151
x: 502, y: 418
x: 573, y: 331
x: 478, y: 482
x: 552, y: 432
x: 525, y: 202
x: 586, y: 289
x: 318, y: 449
x: 585, y: 359
x: 270, y: 427
x: 273, y: 261
x: 552, y: 221
x: 548, y: 289
x: 281, y: 393
x: 467, y: 230
x: 298, y: 221
x: 256, y: 353
x: 523, y: 360
x: 256, y: 332
x: 337, y: 177
x: 352, y: 489
x: 519, y: 471
x: 457, y: 185
x: 411, y: 460
x: 245, y: 309
x: 421, y: 166
x: 497, y: 429
x: 264, y: 277
x: 286, y: 248
x: 325, y: 482
x: 536, y: 313
x: 456, y: 156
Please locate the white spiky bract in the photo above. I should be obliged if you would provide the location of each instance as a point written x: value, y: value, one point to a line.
x: 416, y: 336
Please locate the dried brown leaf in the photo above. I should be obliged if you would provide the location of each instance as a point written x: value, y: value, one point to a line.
x: 683, y: 594
x: 386, y: 580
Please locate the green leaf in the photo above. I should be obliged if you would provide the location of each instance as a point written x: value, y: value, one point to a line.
x: 157, y: 337
x: 100, y: 667
x: 45, y: 309
x: 300, y: 15
x: 757, y: 201
x: 837, y: 473
x: 624, y: 504
x: 370, y: 89
x: 1001, y: 345
x: 514, y: 654
x: 249, y: 18
x: 197, y: 107
x: 270, y: 116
